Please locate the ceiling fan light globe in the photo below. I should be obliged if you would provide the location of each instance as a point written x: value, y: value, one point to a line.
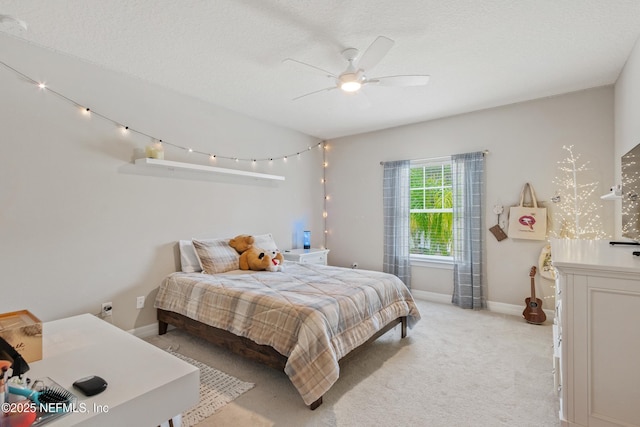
x: 350, y: 82
x: 350, y: 86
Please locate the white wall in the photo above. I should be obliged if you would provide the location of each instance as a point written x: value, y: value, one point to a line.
x: 76, y: 229
x: 627, y: 125
x: 525, y: 142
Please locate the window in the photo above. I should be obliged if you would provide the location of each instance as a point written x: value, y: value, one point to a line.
x: 431, y: 214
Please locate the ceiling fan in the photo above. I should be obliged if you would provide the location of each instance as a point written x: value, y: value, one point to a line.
x: 354, y: 77
x: 13, y: 20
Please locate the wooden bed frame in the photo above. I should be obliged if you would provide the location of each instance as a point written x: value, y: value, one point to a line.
x: 249, y: 349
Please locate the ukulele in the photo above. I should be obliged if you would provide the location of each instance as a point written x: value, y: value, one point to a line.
x: 533, y: 312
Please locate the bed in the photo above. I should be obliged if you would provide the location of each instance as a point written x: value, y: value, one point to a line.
x: 303, y: 320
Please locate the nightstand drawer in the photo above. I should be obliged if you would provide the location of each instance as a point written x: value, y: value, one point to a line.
x: 307, y: 256
x: 319, y: 258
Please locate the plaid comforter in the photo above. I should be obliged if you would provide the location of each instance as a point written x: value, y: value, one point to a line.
x: 313, y: 314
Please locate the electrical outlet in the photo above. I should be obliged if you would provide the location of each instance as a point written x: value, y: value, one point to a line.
x: 107, y: 309
x: 354, y: 265
x: 140, y: 302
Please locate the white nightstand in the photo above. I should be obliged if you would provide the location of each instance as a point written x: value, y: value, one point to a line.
x: 307, y: 256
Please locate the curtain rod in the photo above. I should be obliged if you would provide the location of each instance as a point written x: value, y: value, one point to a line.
x: 435, y: 159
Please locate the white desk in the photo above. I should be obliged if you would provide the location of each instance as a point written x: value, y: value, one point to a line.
x: 147, y: 386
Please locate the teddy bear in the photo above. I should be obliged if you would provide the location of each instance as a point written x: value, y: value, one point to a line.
x: 253, y: 258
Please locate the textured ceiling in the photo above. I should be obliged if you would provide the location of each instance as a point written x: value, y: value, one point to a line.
x: 479, y: 53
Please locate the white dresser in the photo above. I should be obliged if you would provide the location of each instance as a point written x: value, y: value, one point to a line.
x: 597, y: 333
x: 307, y: 256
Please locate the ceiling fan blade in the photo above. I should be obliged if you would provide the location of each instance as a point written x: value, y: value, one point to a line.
x: 9, y: 18
x: 400, y: 80
x: 375, y: 52
x: 326, y: 89
x: 313, y: 67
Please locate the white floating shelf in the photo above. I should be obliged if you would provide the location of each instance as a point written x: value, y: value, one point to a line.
x: 171, y: 165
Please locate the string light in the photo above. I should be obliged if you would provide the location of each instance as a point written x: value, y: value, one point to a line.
x: 323, y: 181
x: 577, y: 213
x: 88, y: 111
x: 630, y: 178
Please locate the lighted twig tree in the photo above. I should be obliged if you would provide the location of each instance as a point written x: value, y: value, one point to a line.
x: 576, y: 215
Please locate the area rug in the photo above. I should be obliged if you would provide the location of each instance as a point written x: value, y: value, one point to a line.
x: 216, y: 390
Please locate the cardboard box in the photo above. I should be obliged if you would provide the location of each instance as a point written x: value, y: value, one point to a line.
x: 23, y: 331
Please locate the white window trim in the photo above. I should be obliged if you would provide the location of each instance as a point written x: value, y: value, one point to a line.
x: 432, y: 261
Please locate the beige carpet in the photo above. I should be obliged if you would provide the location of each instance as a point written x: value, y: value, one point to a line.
x: 456, y: 368
x: 217, y: 389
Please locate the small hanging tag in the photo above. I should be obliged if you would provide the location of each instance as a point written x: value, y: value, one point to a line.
x: 498, y: 232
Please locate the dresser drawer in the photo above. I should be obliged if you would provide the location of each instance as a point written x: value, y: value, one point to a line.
x: 557, y: 340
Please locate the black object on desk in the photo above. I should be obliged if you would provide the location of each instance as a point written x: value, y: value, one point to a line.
x: 18, y: 365
x: 90, y: 386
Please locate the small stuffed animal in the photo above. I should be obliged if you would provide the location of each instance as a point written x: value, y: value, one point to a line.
x: 251, y: 258
x: 276, y: 261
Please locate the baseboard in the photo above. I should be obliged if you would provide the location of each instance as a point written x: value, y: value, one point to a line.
x: 431, y: 296
x: 496, y: 307
x: 502, y: 308
x: 145, y: 331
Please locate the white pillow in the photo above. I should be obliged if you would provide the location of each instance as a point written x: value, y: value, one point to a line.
x: 188, y: 259
x: 216, y: 256
x: 190, y: 263
x: 265, y: 241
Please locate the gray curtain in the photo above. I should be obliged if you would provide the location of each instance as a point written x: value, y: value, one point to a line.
x: 396, y: 206
x: 468, y: 230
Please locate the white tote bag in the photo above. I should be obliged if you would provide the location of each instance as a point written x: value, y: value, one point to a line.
x: 528, y: 222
